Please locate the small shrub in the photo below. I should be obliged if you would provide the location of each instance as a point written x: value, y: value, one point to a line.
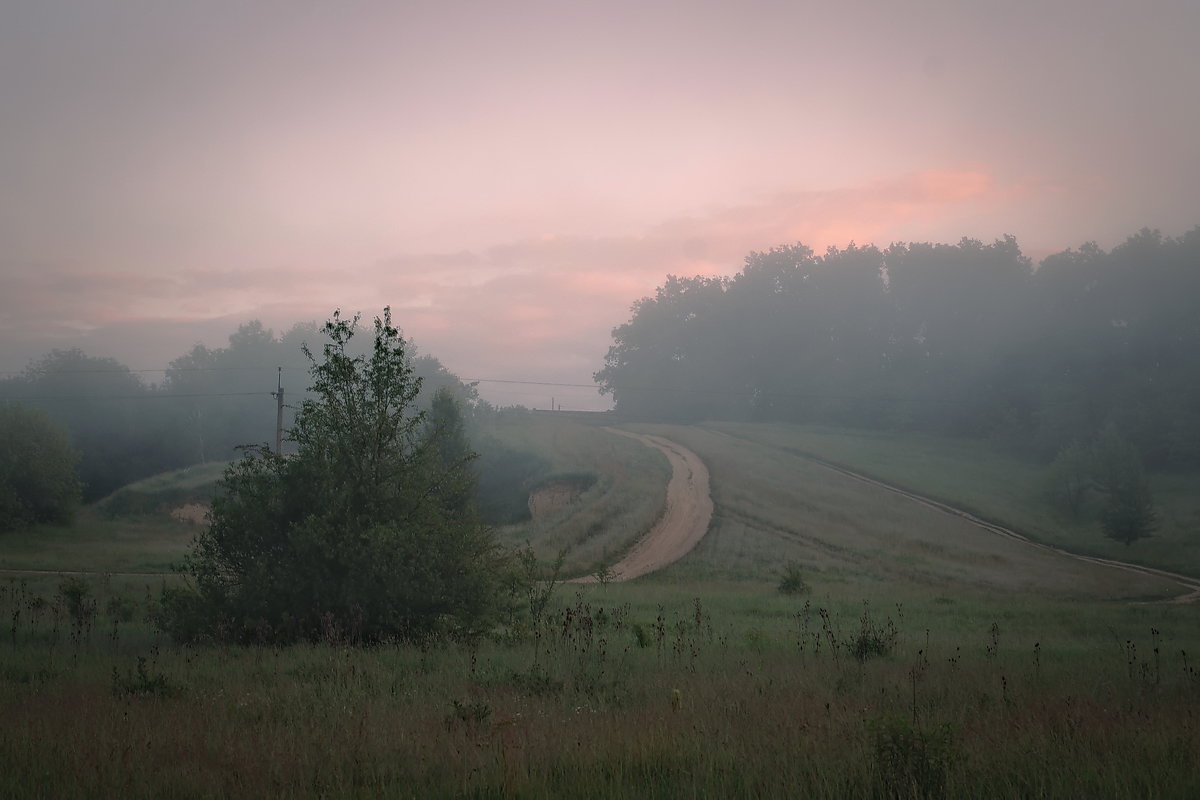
x: 77, y: 597
x: 604, y: 576
x: 872, y: 639
x: 792, y: 582
x: 911, y: 763
x: 120, y: 608
x: 141, y: 682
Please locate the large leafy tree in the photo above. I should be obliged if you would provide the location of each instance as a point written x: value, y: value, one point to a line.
x: 964, y: 339
x: 1128, y: 513
x: 366, y: 532
x: 38, y: 482
x: 112, y: 417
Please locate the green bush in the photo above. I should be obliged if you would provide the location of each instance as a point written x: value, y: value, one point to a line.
x: 77, y: 598
x: 368, y: 532
x: 872, y: 639
x: 792, y: 581
x: 38, y: 480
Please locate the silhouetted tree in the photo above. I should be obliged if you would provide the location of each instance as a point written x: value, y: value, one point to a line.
x: 963, y: 339
x: 1070, y: 476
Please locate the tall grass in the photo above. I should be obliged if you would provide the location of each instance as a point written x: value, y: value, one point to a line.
x: 98, y: 542
x: 631, y: 691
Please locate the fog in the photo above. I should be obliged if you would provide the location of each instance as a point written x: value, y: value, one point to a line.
x: 963, y: 339
x: 512, y: 177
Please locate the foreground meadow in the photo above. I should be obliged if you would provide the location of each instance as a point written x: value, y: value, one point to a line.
x: 625, y: 690
x: 924, y: 658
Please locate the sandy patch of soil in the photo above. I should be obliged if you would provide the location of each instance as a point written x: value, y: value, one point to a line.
x: 192, y: 512
x: 545, y: 500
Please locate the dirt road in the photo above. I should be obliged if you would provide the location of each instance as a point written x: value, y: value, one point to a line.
x: 684, y: 521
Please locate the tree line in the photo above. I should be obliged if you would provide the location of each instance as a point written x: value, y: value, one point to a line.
x: 966, y: 339
x: 208, y: 402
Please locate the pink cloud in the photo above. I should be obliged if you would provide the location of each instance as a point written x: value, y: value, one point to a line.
x: 538, y: 308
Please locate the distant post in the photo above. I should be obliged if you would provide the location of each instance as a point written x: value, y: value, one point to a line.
x: 279, y: 413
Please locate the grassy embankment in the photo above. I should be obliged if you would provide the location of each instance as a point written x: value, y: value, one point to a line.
x: 130, y: 531
x: 929, y: 659
x: 996, y: 486
x: 626, y: 493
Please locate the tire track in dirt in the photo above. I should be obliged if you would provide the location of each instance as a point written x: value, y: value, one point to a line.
x: 1192, y: 585
x: 685, y: 519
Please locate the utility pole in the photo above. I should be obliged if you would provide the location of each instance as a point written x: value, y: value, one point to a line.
x: 279, y: 413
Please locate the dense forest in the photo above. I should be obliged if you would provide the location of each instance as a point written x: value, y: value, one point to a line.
x: 964, y: 339
x: 125, y: 426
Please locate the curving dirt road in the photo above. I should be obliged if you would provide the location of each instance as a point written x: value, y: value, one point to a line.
x: 685, y: 519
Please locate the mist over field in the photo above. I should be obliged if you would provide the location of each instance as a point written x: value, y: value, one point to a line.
x: 511, y: 179
x: 543, y: 399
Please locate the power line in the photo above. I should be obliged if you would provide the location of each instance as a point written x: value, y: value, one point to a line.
x: 528, y: 383
x: 146, y: 396
x: 747, y: 392
x: 449, y: 378
x: 126, y: 371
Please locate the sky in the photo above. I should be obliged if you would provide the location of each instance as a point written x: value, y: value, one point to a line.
x: 511, y: 176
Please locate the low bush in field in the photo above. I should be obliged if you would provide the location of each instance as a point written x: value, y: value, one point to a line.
x: 792, y: 581
x: 872, y: 639
x: 909, y: 762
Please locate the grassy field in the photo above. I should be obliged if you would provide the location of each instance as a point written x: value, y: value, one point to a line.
x: 773, y: 505
x: 638, y: 690
x: 99, y: 543
x: 130, y: 531
x: 972, y: 475
x: 927, y: 659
